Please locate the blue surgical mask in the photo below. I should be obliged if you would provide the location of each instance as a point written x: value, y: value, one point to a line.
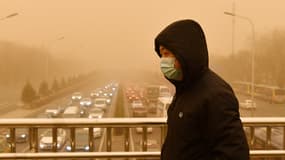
x: 168, y: 69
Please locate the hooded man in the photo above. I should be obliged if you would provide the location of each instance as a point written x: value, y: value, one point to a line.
x: 203, y: 118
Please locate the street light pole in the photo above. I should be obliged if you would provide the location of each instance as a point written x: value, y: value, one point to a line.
x: 253, y: 49
x: 47, y: 59
x: 233, y: 30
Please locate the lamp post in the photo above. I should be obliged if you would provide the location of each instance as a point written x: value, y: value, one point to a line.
x: 9, y: 16
x: 47, y: 59
x: 253, y: 49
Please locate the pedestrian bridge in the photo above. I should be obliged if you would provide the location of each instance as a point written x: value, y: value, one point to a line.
x: 265, y: 136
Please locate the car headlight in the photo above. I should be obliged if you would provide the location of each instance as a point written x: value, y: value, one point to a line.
x: 68, y: 148
x: 23, y: 135
x: 86, y: 148
x: 42, y: 145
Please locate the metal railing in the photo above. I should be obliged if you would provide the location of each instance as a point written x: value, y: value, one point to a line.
x: 252, y: 125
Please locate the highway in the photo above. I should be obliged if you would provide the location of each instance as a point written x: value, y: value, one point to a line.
x: 264, y: 109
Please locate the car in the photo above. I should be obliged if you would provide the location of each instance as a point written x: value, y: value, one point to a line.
x: 72, y: 112
x: 96, y: 113
x: 86, y: 102
x: 22, y: 135
x: 133, y: 97
x: 100, y: 103
x: 248, y: 104
x: 140, y: 129
x: 83, y: 112
x: 164, y: 91
x: 97, y: 132
x: 136, y: 104
x: 45, y: 143
x: 140, y: 112
x: 96, y: 93
x: 81, y: 141
x: 4, y: 145
x: 43, y: 115
x: 58, y: 109
x: 107, y: 98
x: 76, y: 96
x: 52, y: 113
x: 152, y: 144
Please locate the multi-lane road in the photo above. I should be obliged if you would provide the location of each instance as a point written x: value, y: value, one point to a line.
x: 263, y: 109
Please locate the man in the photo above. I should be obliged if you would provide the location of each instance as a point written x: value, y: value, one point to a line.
x: 203, y: 118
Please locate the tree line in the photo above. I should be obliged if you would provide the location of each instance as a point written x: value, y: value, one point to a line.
x: 269, y: 61
x: 30, y: 93
x: 19, y: 63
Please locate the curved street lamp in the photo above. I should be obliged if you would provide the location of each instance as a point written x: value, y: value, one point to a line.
x: 253, y: 48
x: 9, y: 16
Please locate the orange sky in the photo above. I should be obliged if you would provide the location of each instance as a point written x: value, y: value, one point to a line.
x: 121, y: 32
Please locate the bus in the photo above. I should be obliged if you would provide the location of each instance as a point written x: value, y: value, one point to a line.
x: 164, y: 91
x: 272, y: 94
x: 150, y: 94
x: 163, y: 105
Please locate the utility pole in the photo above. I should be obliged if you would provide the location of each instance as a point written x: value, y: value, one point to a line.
x: 233, y: 29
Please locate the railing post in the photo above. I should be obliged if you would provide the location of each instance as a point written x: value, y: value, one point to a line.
x: 13, y: 140
x: 163, y: 134
x: 127, y: 139
x: 54, y: 139
x: 30, y: 138
x: 284, y: 137
x: 90, y: 139
x: 72, y: 139
x: 252, y: 137
x: 34, y: 142
x: 144, y: 138
x: 268, y: 138
x: 109, y: 139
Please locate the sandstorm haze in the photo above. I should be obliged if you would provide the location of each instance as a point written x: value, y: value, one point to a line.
x: 119, y: 35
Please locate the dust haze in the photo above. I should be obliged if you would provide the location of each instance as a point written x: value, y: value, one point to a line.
x: 117, y: 37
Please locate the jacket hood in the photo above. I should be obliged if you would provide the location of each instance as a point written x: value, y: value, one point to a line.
x: 186, y: 40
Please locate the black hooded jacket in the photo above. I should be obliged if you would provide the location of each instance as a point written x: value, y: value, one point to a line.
x: 203, y: 118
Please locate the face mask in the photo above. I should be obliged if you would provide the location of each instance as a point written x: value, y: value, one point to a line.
x: 168, y: 69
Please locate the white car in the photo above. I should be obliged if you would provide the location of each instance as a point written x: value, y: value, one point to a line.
x: 248, y: 104
x: 76, y: 96
x: 96, y: 113
x: 100, y: 103
x: 86, y: 102
x: 97, y: 132
x: 46, y: 139
x: 52, y: 112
